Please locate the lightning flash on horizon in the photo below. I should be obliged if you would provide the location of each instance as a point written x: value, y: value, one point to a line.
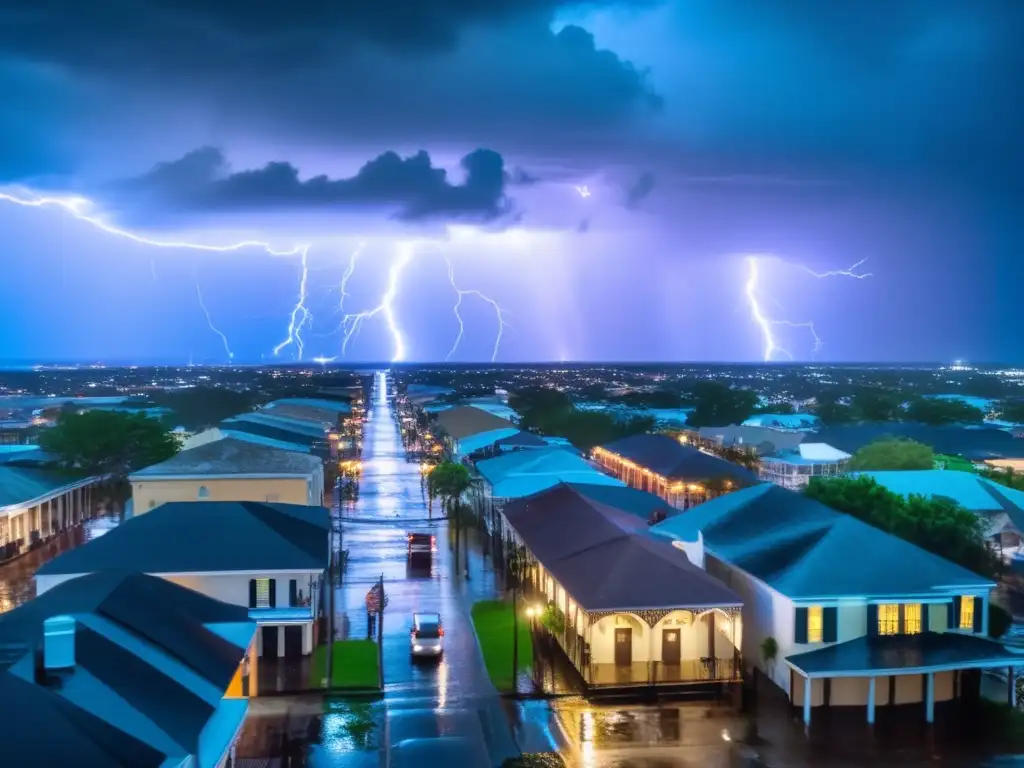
x: 752, y: 291
x: 214, y: 328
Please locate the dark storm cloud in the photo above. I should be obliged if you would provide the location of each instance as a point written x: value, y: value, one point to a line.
x: 641, y: 188
x: 410, y: 187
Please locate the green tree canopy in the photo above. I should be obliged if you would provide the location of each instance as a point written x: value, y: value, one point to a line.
x: 1012, y: 410
x: 938, y: 525
x: 719, y: 405
x: 198, y: 408
x: 876, y: 405
x: 448, y: 481
x: 776, y: 408
x: 832, y: 413
x: 108, y: 442
x: 893, y: 453
x: 936, y: 411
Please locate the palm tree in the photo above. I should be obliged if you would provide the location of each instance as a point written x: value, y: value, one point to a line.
x: 448, y: 481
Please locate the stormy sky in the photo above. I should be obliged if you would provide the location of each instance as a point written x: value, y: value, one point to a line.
x: 603, y: 172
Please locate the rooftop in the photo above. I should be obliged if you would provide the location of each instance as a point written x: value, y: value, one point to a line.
x: 299, y: 412
x: 152, y: 661
x: 803, y: 548
x: 762, y: 439
x: 229, y: 456
x: 972, y: 443
x: 19, y: 485
x: 523, y: 473
x: 465, y: 420
x: 603, y: 556
x: 207, y: 536
x: 279, y: 433
x: 671, y: 459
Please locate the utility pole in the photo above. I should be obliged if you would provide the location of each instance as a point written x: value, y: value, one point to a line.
x: 330, y: 608
x: 515, y: 631
x: 380, y: 635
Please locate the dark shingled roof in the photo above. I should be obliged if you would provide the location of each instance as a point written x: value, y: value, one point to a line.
x: 465, y: 420
x: 229, y: 456
x: 867, y: 655
x: 282, y: 433
x: 131, y: 633
x: 603, y: 556
x: 21, y: 484
x: 522, y: 440
x: 974, y: 444
x: 669, y: 458
x: 203, y: 536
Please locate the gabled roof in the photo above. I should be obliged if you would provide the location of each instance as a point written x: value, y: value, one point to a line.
x: 974, y: 492
x: 761, y: 439
x: 152, y: 663
x: 315, y: 430
x: 337, y: 406
x: 207, y: 536
x: 307, y: 413
x: 229, y: 456
x: 527, y: 472
x: 972, y: 443
x: 483, y: 440
x: 669, y: 458
x: 465, y: 420
x: 806, y: 550
x: 522, y: 440
x: 603, y: 555
x: 281, y: 434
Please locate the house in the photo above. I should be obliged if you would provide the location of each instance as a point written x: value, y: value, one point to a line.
x: 680, y: 474
x: 267, y: 558
x: 795, y: 468
x: 784, y: 421
x: 763, y: 441
x: 118, y: 669
x: 995, y: 446
x: 36, y: 503
x: 857, y: 617
x: 1000, y: 507
x: 465, y: 421
x: 632, y: 609
x: 277, y: 435
x: 230, y: 470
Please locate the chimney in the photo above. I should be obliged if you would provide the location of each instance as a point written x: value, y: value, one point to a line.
x: 59, y: 643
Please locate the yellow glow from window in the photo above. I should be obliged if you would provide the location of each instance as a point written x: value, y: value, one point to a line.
x: 967, y: 612
x: 889, y: 619
x: 815, y: 624
x: 912, y: 619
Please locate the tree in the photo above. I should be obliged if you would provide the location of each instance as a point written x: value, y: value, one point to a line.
x: 938, y: 525
x: 198, y: 408
x: 108, y: 442
x: 1008, y: 477
x: 776, y: 408
x: 893, y: 453
x: 1012, y: 410
x: 833, y: 413
x: 876, y: 405
x: 719, y: 405
x: 937, y: 411
x: 448, y: 481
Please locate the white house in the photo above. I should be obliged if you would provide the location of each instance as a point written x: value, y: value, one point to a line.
x: 269, y: 558
x: 116, y: 669
x: 859, y: 617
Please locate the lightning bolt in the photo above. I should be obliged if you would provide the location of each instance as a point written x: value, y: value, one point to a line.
x: 771, y: 347
x: 301, y: 316
x: 80, y: 208
x: 407, y: 251
x: 583, y: 191
x: 214, y: 328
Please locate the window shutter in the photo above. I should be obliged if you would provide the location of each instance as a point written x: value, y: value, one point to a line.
x: 926, y: 616
x: 252, y: 593
x: 273, y: 593
x: 872, y: 620
x: 800, y: 626
x: 830, y: 626
x: 979, y: 614
x: 954, y: 614
x: 293, y: 592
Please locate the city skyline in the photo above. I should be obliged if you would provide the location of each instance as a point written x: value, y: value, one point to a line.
x: 598, y: 202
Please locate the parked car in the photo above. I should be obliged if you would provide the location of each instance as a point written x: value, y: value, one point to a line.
x: 427, y: 636
x: 421, y: 544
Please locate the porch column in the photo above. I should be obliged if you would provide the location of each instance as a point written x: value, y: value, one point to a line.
x: 929, y: 698
x: 1011, y: 686
x: 807, y: 701
x: 984, y: 616
x: 871, y: 701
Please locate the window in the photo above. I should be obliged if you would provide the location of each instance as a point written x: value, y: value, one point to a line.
x: 967, y: 612
x: 889, y: 619
x: 912, y: 619
x: 815, y: 624
x: 204, y: 492
x: 273, y: 498
x: 262, y: 593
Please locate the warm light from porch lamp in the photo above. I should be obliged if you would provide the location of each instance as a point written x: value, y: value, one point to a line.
x: 531, y: 611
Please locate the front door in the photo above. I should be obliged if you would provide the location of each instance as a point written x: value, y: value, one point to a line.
x: 293, y: 641
x: 671, y: 649
x: 269, y: 642
x: 623, y: 646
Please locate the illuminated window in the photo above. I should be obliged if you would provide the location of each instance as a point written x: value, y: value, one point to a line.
x: 889, y: 619
x: 967, y: 612
x: 912, y: 619
x: 262, y: 593
x: 815, y: 624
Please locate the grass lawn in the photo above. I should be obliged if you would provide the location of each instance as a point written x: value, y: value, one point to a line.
x: 954, y: 463
x: 492, y: 620
x: 355, y: 664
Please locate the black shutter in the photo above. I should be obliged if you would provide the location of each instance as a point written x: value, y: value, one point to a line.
x: 273, y: 593
x: 926, y: 616
x: 252, y: 593
x: 954, y: 614
x: 800, y: 626
x: 872, y: 620
x: 830, y: 626
x: 979, y: 614
x: 293, y: 593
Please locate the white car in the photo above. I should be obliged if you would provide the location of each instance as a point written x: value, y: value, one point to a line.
x: 427, y: 636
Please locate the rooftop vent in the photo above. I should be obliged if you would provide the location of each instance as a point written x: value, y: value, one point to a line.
x: 59, y: 643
